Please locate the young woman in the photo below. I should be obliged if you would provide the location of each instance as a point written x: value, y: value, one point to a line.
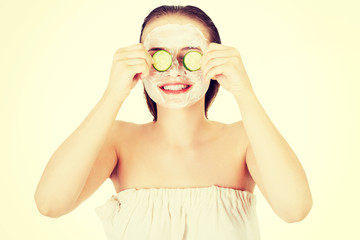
x: 181, y: 176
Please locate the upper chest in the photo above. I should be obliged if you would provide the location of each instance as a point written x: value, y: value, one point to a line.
x: 218, y: 160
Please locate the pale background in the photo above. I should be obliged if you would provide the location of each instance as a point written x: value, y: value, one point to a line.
x: 302, y: 58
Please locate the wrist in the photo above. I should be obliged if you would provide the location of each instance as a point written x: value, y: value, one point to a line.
x: 243, y: 94
x: 247, y: 102
x: 114, y: 95
x: 245, y: 98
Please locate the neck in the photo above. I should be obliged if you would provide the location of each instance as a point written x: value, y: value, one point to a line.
x: 181, y: 127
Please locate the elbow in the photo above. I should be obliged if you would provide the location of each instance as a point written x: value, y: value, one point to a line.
x: 296, y: 217
x: 46, y: 209
x: 298, y: 213
x: 47, y: 212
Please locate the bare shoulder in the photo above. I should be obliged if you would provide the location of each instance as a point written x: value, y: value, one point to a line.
x: 128, y: 127
x: 125, y: 125
x: 238, y: 127
x: 230, y: 128
x: 126, y: 131
x: 234, y: 133
x: 238, y: 123
x: 126, y: 136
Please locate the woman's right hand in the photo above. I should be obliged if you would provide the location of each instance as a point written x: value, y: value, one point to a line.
x: 129, y: 65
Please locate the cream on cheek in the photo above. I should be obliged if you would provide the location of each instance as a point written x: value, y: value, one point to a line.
x: 173, y: 38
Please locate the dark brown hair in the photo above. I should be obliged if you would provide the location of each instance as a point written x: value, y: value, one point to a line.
x: 196, y: 14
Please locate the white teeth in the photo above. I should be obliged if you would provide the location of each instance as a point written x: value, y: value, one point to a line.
x: 175, y: 87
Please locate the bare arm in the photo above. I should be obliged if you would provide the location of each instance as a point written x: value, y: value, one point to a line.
x: 68, y: 169
x: 272, y: 163
x: 87, y: 157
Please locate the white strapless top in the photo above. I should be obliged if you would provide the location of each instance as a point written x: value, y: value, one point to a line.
x: 203, y: 213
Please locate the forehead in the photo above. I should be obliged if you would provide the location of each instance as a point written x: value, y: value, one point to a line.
x: 173, y: 19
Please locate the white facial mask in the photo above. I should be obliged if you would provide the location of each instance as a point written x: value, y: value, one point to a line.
x: 173, y: 38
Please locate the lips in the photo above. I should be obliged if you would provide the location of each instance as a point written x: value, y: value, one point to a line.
x: 175, y: 88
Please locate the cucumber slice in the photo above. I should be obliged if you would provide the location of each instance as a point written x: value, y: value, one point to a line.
x: 162, y: 60
x: 191, y: 60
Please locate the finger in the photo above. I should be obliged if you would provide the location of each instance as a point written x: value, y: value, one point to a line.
x: 133, y: 55
x: 141, y: 47
x: 213, y: 72
x: 217, y: 47
x: 135, y: 61
x: 213, y: 46
x: 212, y: 63
x: 217, y: 54
x: 124, y: 49
x: 130, y: 61
x: 147, y: 53
x: 137, y: 53
x: 136, y: 47
x: 137, y: 69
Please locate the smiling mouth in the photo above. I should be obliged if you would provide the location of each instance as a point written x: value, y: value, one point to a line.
x: 175, y: 88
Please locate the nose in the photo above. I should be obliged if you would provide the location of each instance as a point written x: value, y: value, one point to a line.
x: 174, y: 68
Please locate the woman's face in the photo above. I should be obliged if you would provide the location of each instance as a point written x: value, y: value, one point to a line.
x: 175, y: 87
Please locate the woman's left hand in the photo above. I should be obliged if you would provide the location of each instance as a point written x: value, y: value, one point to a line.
x: 224, y: 64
